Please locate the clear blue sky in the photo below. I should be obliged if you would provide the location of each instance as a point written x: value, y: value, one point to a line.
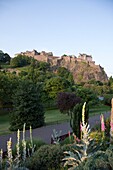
x: 60, y: 26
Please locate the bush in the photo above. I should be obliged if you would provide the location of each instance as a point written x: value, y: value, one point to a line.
x: 109, y: 153
x: 99, y: 161
x: 47, y: 157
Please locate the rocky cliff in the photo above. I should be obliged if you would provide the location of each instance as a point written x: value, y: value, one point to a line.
x: 82, y: 67
x: 83, y: 71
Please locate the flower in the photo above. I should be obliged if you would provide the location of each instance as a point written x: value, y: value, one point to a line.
x: 102, y: 123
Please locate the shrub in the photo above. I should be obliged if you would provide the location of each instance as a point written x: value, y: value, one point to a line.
x: 109, y: 153
x: 98, y: 161
x: 47, y: 157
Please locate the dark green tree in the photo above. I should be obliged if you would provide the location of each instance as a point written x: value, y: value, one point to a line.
x: 27, y: 107
x: 20, y: 61
x: 76, y: 118
x: 4, y: 57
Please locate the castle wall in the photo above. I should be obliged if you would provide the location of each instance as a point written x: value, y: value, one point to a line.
x: 41, y: 58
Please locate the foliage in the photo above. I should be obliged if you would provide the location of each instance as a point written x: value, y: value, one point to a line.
x: 56, y: 136
x: 8, y: 83
x: 27, y: 107
x: 66, y: 101
x: 47, y: 157
x: 36, y: 142
x: 76, y: 118
x: 87, y: 95
x: 84, y: 149
x: 98, y: 161
x: 55, y: 85
x: 107, y: 99
x: 66, y: 74
x: 4, y: 57
x: 20, y: 61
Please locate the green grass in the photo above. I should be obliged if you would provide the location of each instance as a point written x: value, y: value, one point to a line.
x: 54, y: 117
x: 51, y: 117
x: 98, y: 110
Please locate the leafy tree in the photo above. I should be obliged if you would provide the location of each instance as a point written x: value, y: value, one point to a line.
x: 66, y: 74
x: 27, y: 107
x: 43, y: 66
x: 66, y: 101
x: 55, y: 85
x: 4, y: 57
x: 20, y: 61
x: 8, y: 82
x: 87, y: 95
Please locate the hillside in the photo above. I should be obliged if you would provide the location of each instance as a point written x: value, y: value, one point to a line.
x: 83, y: 71
x: 82, y: 67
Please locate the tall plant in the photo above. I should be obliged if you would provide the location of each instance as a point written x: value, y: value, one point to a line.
x: 111, y: 123
x: 83, y: 150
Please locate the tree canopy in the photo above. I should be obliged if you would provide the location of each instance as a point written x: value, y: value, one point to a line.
x: 27, y: 107
x: 20, y: 61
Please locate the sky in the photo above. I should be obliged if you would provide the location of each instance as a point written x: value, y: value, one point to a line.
x: 60, y: 26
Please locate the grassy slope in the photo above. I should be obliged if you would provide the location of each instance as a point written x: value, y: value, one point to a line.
x: 51, y: 117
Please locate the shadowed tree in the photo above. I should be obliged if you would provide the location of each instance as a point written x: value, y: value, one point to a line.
x: 27, y: 107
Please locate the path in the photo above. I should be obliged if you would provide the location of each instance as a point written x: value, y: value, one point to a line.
x: 45, y: 132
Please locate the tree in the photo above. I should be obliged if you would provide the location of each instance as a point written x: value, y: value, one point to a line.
x: 66, y: 74
x: 8, y: 82
x: 4, y: 57
x: 76, y: 118
x: 27, y: 107
x: 55, y: 85
x: 20, y: 61
x: 66, y: 101
x: 87, y: 95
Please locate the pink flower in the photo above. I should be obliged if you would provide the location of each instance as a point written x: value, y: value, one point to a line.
x: 102, y: 126
x: 102, y: 123
x: 111, y: 124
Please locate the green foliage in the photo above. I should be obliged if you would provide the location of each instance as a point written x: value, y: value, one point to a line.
x: 27, y: 107
x: 20, y: 61
x: 55, y: 85
x: 76, y: 117
x: 66, y: 74
x: 109, y: 153
x: 107, y: 99
x: 47, y: 157
x: 4, y: 57
x: 8, y: 83
x: 81, y: 151
x: 98, y: 161
x: 87, y: 95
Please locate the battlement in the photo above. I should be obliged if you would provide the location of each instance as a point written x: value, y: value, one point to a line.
x: 54, y: 60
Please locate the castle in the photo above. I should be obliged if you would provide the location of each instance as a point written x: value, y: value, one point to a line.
x: 55, y: 60
x: 82, y: 67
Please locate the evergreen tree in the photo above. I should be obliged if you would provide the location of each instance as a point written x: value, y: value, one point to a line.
x: 27, y: 107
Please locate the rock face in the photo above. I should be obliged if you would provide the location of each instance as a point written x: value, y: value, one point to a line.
x: 82, y: 67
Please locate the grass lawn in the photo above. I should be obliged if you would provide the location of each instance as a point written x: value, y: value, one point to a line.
x: 99, y: 109
x: 4, y: 123
x: 54, y: 117
x: 51, y: 117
